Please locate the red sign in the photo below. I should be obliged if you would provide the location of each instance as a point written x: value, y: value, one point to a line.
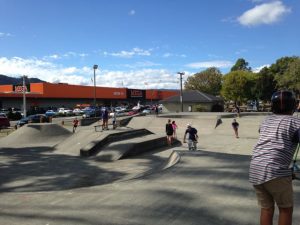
x: 136, y: 93
x: 21, y: 89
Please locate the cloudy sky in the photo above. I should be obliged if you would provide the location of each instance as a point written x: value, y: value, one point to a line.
x: 142, y: 43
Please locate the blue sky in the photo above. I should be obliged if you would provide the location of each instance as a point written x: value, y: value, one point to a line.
x: 142, y: 43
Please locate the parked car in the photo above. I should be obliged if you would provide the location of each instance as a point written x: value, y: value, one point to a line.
x: 4, y: 121
x: 118, y: 113
x: 78, y: 111
x: 51, y: 113
x: 133, y: 112
x: 251, y: 108
x: 65, y: 111
x: 147, y: 111
x: 119, y: 109
x: 91, y: 113
x: 37, y: 118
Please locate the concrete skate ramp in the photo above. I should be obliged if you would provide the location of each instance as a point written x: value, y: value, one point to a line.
x: 220, y: 139
x: 38, y: 134
x: 132, y: 147
x: 72, y: 144
x: 35, y: 169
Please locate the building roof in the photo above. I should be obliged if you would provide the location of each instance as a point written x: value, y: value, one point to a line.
x: 193, y: 96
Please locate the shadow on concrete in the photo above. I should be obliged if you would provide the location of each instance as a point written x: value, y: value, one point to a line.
x: 204, y: 188
x: 40, y: 169
x: 36, y: 169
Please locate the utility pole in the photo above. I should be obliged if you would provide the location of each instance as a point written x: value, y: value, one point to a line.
x: 24, y: 96
x: 181, y: 97
x: 95, y: 67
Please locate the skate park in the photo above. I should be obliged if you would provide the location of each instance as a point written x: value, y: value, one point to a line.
x: 129, y: 176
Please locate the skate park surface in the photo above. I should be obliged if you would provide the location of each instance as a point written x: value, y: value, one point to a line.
x: 44, y: 180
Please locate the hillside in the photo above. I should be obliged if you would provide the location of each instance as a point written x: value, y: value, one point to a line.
x: 17, y: 80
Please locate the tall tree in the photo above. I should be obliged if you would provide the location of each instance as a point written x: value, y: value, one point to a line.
x: 238, y: 86
x: 281, y: 65
x: 241, y: 64
x: 265, y: 84
x: 208, y: 81
x: 287, y: 73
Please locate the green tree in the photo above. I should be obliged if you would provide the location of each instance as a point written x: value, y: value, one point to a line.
x: 241, y: 64
x: 265, y: 85
x: 289, y: 77
x: 281, y: 65
x: 208, y: 81
x: 238, y: 86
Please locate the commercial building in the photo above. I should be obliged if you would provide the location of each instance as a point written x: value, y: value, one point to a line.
x: 46, y: 95
x: 193, y: 101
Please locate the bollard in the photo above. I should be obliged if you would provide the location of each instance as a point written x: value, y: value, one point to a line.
x: 62, y: 122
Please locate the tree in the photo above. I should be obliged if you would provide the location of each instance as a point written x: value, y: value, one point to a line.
x: 238, y: 86
x: 208, y: 81
x: 265, y: 84
x: 241, y: 64
x: 281, y: 65
x: 289, y: 75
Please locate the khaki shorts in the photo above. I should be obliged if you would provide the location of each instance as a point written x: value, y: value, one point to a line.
x: 279, y: 190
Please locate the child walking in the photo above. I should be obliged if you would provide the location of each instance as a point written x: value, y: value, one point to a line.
x: 75, y: 124
x: 174, y: 125
x: 235, y: 126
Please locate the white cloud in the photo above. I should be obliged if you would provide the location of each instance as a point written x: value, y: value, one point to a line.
x: 131, y: 53
x: 241, y: 51
x: 168, y: 54
x: 43, y: 70
x: 51, y: 72
x: 131, y: 12
x: 208, y: 64
x: 141, y: 64
x: 2, y: 35
x: 143, y: 78
x: 266, y: 13
x: 258, y: 69
x: 65, y: 56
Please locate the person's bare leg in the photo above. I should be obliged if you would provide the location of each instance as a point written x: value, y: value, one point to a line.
x: 285, y: 216
x: 266, y: 216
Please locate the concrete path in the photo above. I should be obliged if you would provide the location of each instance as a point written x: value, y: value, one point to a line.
x: 208, y: 187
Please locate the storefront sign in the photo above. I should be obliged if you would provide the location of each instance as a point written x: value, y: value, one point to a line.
x: 135, y: 93
x: 118, y: 93
x: 20, y: 88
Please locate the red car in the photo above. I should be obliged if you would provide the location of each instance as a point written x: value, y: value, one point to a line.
x: 4, y: 121
x: 133, y: 112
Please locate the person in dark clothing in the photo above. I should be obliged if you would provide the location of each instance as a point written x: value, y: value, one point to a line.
x: 238, y: 110
x: 193, y: 137
x: 169, y: 132
x: 235, y: 126
x: 156, y: 110
x: 105, y: 119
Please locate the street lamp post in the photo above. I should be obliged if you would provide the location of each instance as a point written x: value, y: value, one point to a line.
x: 24, y: 96
x: 181, y: 97
x: 95, y: 67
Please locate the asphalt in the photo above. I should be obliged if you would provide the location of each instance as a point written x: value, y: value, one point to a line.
x: 167, y: 186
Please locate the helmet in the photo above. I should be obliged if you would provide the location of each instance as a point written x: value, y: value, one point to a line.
x: 283, y: 102
x: 188, y: 125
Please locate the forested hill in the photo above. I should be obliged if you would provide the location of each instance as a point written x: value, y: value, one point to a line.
x: 17, y: 80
